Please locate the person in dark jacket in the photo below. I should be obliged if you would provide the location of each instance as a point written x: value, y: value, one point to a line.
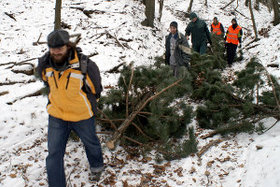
x: 72, y: 104
x: 199, y: 32
x: 217, y: 28
x: 233, y: 38
x: 174, y: 44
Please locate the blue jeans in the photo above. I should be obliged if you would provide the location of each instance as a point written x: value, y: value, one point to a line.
x: 58, y: 133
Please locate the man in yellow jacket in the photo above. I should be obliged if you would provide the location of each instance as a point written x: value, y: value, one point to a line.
x: 233, y: 38
x: 72, y: 104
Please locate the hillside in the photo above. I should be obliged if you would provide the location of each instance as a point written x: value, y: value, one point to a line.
x: 114, y: 35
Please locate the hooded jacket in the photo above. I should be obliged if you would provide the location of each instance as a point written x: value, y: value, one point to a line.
x: 199, y: 31
x: 68, y: 98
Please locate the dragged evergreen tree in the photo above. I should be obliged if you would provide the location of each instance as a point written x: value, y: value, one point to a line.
x: 148, y: 107
x: 237, y: 106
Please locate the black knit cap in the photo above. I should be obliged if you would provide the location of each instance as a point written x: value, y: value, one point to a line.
x: 174, y: 24
x: 58, y: 38
x: 234, y: 20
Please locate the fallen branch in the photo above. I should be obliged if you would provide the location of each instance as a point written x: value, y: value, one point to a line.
x: 10, y: 15
x: 3, y: 93
x: 242, y: 14
x: 88, y: 12
x: 116, y: 68
x: 227, y: 5
x: 271, y: 126
x: 114, y: 37
x: 252, y: 46
x: 208, y: 146
x: 37, y: 93
x: 18, y: 63
x: 111, y: 143
x: 273, y: 65
x: 16, y: 82
x: 38, y: 41
x: 93, y: 54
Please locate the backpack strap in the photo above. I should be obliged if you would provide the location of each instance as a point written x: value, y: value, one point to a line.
x: 83, y: 67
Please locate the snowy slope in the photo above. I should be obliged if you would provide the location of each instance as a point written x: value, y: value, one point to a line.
x: 23, y: 121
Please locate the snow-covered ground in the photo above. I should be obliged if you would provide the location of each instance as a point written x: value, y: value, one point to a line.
x: 248, y: 160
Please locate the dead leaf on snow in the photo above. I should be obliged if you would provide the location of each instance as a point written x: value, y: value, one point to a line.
x: 193, y: 170
x: 210, y: 163
x: 179, y: 171
x: 13, y: 175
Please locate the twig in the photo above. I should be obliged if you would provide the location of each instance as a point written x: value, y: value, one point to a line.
x: 227, y: 4
x: 16, y: 82
x: 140, y: 130
x: 242, y: 14
x: 37, y: 93
x: 206, y: 147
x: 114, y: 37
x: 115, y: 69
x: 10, y: 15
x: 128, y: 89
x: 73, y: 170
x: 19, y: 63
x: 132, y: 140
x: 252, y: 46
x: 271, y: 126
x: 110, y: 121
x: 39, y: 37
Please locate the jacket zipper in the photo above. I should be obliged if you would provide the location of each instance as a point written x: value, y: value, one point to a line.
x: 54, y: 79
x: 68, y: 79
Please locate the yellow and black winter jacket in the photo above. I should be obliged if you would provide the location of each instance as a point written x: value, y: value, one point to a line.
x: 69, y: 99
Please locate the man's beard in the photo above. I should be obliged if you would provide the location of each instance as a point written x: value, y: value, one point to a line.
x: 60, y: 58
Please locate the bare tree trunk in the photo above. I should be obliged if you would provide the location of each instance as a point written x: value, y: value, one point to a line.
x: 161, y: 2
x: 150, y: 13
x: 276, y: 11
x: 190, y: 6
x: 253, y: 20
x: 57, y: 19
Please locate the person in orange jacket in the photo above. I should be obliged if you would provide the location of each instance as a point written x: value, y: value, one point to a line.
x: 233, y: 38
x: 73, y: 93
x: 217, y: 28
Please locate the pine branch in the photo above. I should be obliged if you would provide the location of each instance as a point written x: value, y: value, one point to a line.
x: 128, y: 89
x: 111, y: 143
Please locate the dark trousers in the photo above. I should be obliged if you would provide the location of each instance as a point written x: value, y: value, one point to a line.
x: 200, y: 48
x: 231, y: 52
x: 58, y: 133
